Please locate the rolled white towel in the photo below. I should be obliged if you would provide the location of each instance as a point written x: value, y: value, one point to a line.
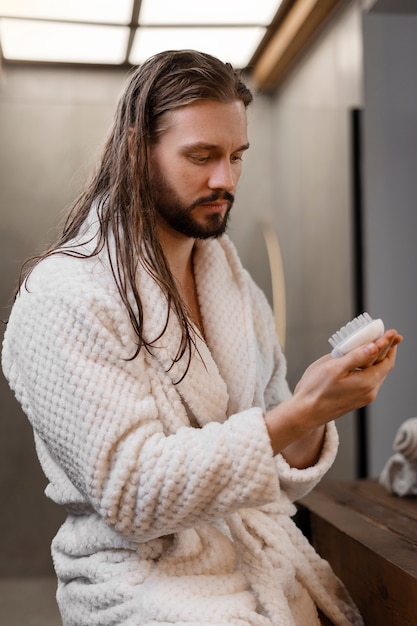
x: 399, y: 476
x: 405, y: 440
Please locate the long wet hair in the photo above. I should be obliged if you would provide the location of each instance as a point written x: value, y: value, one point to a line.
x: 121, y: 185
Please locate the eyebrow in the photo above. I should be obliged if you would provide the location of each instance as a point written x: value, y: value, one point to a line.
x: 208, y: 146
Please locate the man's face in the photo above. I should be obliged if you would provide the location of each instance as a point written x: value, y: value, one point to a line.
x: 195, y: 167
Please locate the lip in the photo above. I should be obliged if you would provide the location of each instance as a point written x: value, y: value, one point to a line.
x: 215, y: 206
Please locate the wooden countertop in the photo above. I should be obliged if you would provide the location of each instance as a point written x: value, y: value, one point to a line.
x: 370, y: 538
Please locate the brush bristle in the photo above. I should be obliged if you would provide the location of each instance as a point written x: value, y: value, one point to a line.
x: 356, y: 324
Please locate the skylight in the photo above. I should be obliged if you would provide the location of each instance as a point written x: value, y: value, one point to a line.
x: 115, y: 32
x: 29, y: 40
x: 105, y: 11
x: 230, y: 12
x: 234, y: 45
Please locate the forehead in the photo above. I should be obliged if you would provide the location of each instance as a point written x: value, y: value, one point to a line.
x: 206, y: 121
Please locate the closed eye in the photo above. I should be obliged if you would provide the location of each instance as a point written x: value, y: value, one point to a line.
x: 209, y: 151
x: 199, y: 159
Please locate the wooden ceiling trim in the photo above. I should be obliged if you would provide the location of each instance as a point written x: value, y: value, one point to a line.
x: 296, y: 30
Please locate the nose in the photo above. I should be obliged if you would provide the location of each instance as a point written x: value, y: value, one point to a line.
x: 223, y: 176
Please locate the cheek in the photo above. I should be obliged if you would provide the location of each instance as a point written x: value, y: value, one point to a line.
x: 174, y: 170
x: 184, y: 178
x: 238, y: 173
x: 189, y: 179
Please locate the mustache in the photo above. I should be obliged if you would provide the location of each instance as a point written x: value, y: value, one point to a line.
x: 214, y: 197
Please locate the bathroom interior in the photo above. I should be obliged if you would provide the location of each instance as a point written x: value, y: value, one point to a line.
x: 331, y: 175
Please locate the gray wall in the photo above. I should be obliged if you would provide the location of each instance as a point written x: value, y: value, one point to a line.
x: 390, y: 134
x: 52, y: 123
x: 313, y: 199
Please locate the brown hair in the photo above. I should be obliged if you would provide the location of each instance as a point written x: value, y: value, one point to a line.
x: 121, y: 187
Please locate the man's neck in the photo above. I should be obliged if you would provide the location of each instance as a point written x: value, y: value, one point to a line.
x: 178, y: 250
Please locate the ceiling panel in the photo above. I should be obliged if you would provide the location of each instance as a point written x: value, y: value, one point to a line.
x: 213, y: 12
x: 103, y: 11
x: 234, y: 44
x: 26, y: 40
x: 269, y: 35
x: 90, y: 31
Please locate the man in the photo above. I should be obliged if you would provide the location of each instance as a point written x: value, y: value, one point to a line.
x: 146, y: 361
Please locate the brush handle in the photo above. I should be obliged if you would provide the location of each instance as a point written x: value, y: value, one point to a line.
x: 364, y: 335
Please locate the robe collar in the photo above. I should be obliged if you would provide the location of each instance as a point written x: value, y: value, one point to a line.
x: 221, y: 378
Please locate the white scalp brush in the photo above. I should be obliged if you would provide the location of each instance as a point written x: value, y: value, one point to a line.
x: 362, y: 329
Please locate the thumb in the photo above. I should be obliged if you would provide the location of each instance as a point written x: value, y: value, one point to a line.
x: 361, y: 357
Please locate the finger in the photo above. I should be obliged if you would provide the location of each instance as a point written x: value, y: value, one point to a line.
x: 389, y: 335
x: 393, y: 340
x: 384, y: 353
x: 362, y: 357
x: 374, y: 352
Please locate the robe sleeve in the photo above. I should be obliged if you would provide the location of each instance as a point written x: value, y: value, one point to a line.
x: 294, y: 482
x: 98, y: 421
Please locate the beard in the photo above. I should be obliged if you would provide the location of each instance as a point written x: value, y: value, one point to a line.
x: 178, y: 215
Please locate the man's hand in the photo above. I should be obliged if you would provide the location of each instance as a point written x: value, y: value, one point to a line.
x: 329, y: 389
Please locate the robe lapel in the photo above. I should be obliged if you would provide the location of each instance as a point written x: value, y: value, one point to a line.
x: 202, y: 389
x: 227, y: 318
x: 222, y: 373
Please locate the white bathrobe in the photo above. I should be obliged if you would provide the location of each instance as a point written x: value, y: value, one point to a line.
x: 178, y: 513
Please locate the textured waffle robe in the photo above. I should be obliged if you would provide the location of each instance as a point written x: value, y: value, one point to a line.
x: 178, y: 512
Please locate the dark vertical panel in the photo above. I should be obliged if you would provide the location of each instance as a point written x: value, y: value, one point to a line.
x: 358, y: 276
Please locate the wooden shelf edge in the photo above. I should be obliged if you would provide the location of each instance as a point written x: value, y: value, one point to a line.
x: 294, y: 33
